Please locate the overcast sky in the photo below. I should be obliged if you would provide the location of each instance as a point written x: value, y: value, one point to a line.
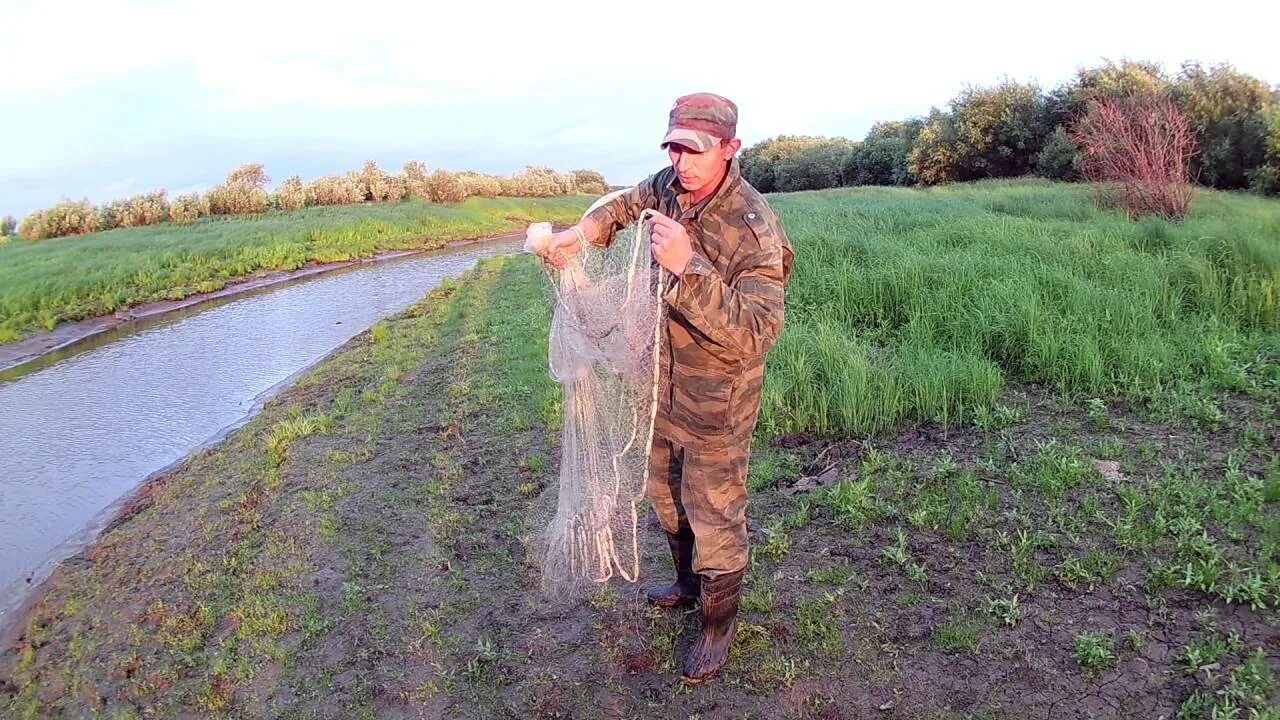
x: 110, y: 98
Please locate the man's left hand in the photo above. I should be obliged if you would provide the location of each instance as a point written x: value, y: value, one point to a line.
x: 669, y: 242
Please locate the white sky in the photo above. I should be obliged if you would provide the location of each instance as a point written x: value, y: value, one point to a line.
x: 110, y: 98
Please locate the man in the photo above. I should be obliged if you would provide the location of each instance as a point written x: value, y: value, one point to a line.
x: 729, y: 261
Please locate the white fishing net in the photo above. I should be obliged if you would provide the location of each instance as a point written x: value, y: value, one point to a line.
x: 603, y: 349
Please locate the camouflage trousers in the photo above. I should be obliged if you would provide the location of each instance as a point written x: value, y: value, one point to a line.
x: 705, y: 491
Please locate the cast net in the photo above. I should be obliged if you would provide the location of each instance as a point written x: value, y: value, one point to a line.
x: 603, y: 349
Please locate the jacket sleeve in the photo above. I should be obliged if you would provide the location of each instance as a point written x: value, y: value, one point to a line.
x: 745, y: 315
x: 624, y: 209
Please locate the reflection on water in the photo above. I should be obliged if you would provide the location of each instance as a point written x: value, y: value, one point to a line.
x: 76, y: 435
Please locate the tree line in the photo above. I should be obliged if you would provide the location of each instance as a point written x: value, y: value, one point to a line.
x: 1014, y: 129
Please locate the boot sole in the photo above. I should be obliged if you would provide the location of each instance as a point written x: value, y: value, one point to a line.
x: 698, y: 681
x: 666, y: 603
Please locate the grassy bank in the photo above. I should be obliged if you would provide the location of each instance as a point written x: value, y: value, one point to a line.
x: 359, y: 549
x: 48, y: 282
x: 915, y: 305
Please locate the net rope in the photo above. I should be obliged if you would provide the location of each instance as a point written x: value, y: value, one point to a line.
x: 603, y: 349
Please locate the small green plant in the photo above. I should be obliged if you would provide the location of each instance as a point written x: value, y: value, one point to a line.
x: 776, y: 547
x: 1135, y: 639
x: 801, y: 517
x: 1055, y: 470
x: 1108, y: 449
x: 1005, y: 610
x: 853, y: 502
x: 1022, y: 554
x: 960, y: 635
x: 485, y: 656
x: 768, y: 467
x: 1096, y: 410
x: 353, y: 598
x: 536, y: 462
x: 897, y: 553
x: 1209, y: 648
x: 604, y: 599
x: 527, y: 489
x: 1248, y: 693
x: 840, y: 574
x: 818, y: 624
x: 1002, y: 416
x: 1094, y: 651
x: 760, y: 597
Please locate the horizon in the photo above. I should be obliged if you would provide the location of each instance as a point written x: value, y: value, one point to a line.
x: 123, y: 105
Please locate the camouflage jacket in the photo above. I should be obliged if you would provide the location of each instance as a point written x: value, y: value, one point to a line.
x: 725, y: 311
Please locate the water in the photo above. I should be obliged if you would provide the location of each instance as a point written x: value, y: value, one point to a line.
x: 77, y: 435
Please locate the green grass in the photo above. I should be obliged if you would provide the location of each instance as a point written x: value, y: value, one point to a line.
x: 912, y: 305
x: 51, y: 281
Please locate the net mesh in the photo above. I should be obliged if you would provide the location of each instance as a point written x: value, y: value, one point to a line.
x: 602, y: 351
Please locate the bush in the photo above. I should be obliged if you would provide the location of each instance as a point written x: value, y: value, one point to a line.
x: 335, y: 190
x: 443, y: 186
x: 65, y: 218
x: 188, y: 208
x: 477, y: 185
x: 882, y: 158
x: 1060, y: 158
x: 292, y: 194
x: 147, y: 209
x: 252, y: 175
x: 1231, y: 114
x: 759, y: 162
x: 1126, y: 79
x: 237, y: 200
x: 243, y: 194
x: 112, y: 214
x: 934, y: 158
x: 1266, y: 178
x: 536, y: 181
x: 589, y: 182
x: 8, y: 226
x: 415, y: 178
x: 877, y: 161
x: 1000, y: 130
x: 1143, y: 144
x: 814, y: 168
x: 393, y: 189
x: 378, y: 186
x: 990, y: 133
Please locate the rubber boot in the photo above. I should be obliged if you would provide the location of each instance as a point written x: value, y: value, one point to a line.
x: 719, y: 628
x: 685, y: 589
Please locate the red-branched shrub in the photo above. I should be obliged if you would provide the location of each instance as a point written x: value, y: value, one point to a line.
x: 1137, y: 150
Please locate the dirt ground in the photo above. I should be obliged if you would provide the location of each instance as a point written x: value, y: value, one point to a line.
x: 362, y: 550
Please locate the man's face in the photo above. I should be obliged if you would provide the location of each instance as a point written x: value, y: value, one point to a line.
x: 697, y: 170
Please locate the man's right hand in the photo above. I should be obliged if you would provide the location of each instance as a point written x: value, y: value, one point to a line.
x: 561, y: 246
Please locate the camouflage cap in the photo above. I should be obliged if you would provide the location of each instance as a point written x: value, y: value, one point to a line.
x: 701, y: 120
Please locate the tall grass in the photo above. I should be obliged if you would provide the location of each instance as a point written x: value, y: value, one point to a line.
x: 45, y: 283
x: 922, y: 304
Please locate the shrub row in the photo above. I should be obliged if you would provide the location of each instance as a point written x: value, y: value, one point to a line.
x: 245, y: 192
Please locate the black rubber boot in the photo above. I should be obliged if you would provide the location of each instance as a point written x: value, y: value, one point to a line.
x: 719, y: 627
x: 685, y: 589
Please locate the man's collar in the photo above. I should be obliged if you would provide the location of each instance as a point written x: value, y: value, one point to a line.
x: 730, y: 181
